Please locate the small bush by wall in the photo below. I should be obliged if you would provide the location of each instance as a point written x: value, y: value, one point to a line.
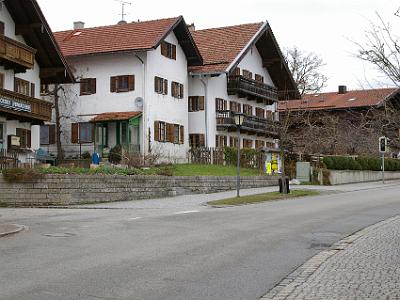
x: 360, y: 163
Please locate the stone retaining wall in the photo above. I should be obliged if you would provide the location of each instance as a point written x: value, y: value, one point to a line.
x: 342, y: 177
x: 82, y: 189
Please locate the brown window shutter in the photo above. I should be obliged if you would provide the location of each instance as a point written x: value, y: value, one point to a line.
x: 1, y: 28
x: 82, y: 85
x: 157, y: 131
x: 173, y: 94
x: 201, y: 103
x: 74, y: 133
x: 237, y: 72
x: 202, y: 142
x: 190, y: 103
x: 170, y: 132
x: 131, y: 82
x: 1, y: 80
x: 15, y: 84
x: 164, y: 48
x: 52, y: 134
x: 32, y: 90
x: 174, y: 52
x: 181, y: 91
x: 28, y: 139
x: 156, y: 85
x: 165, y: 92
x: 181, y: 135
x: 92, y: 83
x: 113, y: 84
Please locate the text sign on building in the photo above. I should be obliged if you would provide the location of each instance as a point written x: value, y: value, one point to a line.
x: 15, y: 105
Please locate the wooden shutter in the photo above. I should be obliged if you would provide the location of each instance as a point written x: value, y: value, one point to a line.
x: 92, y: 83
x: 131, y: 82
x: 181, y: 91
x: 164, y: 48
x: 32, y: 90
x: 236, y: 72
x: 156, y: 85
x: 52, y: 134
x: 190, y: 103
x: 170, y: 132
x: 173, y: 51
x: 74, y: 133
x: 157, y: 131
x: 259, y: 78
x: 113, y: 84
x: 1, y: 28
x: 28, y: 139
x: 202, y: 142
x: 165, y: 91
x: 181, y: 135
x: 173, y: 89
x: 201, y: 102
x: 1, y: 80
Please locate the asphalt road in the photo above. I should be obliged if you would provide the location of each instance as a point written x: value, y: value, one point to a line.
x: 198, y: 253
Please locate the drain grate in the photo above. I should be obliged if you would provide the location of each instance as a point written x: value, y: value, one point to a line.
x: 59, y: 235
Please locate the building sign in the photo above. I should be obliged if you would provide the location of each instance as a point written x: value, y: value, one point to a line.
x: 15, y: 105
x: 14, y: 141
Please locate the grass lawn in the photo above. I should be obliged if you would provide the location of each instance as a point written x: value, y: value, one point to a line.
x: 211, y: 170
x: 263, y: 197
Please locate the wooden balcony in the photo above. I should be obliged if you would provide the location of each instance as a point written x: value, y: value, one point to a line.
x: 252, y: 89
x: 15, y: 55
x: 252, y: 125
x: 23, y: 107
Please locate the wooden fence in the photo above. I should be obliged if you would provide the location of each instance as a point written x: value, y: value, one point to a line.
x: 8, y: 160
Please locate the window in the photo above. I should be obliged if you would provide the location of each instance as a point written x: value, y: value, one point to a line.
x: 235, y: 106
x: 1, y: 28
x: 247, y: 74
x: 82, y: 133
x: 1, y: 81
x: 196, y: 140
x: 177, y: 90
x: 88, y: 86
x: 260, y: 112
x: 178, y: 134
x: 260, y: 144
x: 259, y: 78
x: 47, y: 134
x: 25, y: 137
x: 247, y: 143
x: 221, y: 141
x: 44, y: 89
x: 269, y: 115
x: 196, y: 103
x: 21, y: 86
x: 233, y: 141
x: 248, y: 109
x: 221, y: 104
x: 160, y: 131
x: 123, y: 83
x: 160, y: 85
x: 168, y: 50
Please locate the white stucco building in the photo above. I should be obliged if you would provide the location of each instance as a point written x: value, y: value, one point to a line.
x: 162, y: 87
x: 29, y: 57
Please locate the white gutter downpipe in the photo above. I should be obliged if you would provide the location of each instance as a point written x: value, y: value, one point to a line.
x: 205, y: 85
x: 144, y: 130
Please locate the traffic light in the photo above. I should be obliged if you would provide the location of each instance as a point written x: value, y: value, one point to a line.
x: 382, y: 144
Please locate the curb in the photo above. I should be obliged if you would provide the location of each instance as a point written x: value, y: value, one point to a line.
x: 10, y: 229
x: 286, y: 286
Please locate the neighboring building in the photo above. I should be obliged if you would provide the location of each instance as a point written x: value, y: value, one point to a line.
x: 243, y: 71
x: 145, y: 85
x: 29, y: 57
x: 133, y: 87
x: 343, y: 122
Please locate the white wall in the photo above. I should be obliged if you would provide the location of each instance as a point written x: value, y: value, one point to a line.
x: 217, y: 88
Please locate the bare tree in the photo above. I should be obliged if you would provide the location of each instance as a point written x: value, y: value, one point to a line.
x: 382, y: 49
x: 306, y: 70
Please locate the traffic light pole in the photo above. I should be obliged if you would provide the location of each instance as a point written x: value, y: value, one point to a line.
x: 383, y: 168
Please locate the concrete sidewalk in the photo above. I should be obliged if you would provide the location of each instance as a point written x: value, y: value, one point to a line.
x: 8, y: 229
x: 364, y: 265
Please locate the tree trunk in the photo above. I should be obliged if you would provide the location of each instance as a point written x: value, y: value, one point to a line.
x: 60, y: 151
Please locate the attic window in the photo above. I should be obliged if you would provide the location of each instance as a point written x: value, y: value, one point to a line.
x: 352, y: 99
x: 78, y: 33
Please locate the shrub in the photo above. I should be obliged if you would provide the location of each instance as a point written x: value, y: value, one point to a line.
x: 248, y: 157
x: 361, y: 163
x: 22, y: 175
x: 115, y: 155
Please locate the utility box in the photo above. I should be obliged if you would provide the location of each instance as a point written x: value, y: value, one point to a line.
x: 303, y: 171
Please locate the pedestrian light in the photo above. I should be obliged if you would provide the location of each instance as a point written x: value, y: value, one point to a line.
x: 382, y: 144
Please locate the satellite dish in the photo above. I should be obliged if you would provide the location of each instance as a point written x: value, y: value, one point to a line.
x: 139, y: 101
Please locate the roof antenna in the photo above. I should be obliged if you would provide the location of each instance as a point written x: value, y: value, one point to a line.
x: 123, y: 14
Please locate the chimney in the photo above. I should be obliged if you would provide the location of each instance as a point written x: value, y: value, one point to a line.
x: 342, y: 89
x: 79, y: 25
x: 191, y: 27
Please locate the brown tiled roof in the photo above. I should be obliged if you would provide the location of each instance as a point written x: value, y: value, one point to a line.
x: 115, y: 38
x: 328, y: 101
x: 116, y: 116
x: 220, y: 46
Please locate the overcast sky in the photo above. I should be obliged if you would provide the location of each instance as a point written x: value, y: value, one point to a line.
x: 325, y: 27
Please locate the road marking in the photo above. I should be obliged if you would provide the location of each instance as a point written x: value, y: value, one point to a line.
x: 136, y: 218
x: 186, y: 212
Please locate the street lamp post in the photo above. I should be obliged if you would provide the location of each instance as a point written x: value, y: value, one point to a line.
x: 239, y: 120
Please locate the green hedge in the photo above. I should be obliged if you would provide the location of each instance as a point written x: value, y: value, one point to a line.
x: 360, y: 163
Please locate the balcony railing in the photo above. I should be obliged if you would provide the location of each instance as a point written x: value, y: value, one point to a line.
x: 251, y: 125
x: 16, y: 55
x: 25, y: 107
x: 252, y: 89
